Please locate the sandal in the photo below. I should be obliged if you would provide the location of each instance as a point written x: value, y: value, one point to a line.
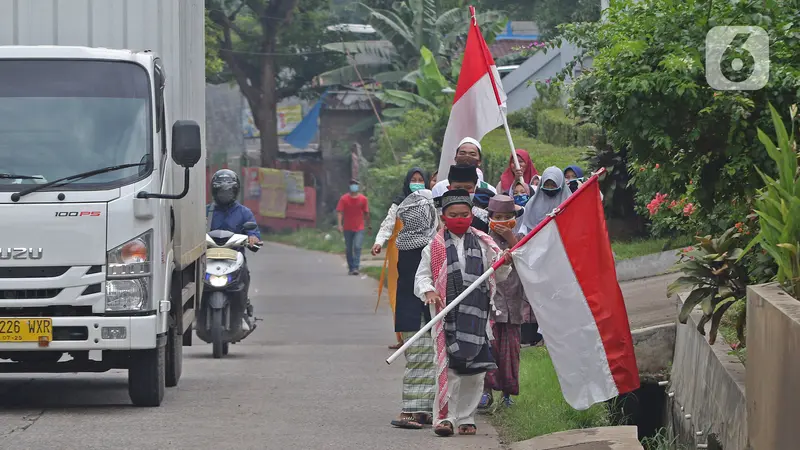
x: 424, y: 418
x: 396, y: 346
x: 467, y: 430
x: 444, y: 429
x: 407, y: 421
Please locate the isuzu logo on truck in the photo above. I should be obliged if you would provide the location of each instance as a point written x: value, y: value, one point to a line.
x: 20, y: 253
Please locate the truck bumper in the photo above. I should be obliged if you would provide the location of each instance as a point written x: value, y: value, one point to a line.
x: 140, y: 333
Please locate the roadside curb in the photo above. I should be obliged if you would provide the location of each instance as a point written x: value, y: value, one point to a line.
x: 646, y: 266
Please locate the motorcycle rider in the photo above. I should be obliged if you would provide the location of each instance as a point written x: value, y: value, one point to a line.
x: 226, y: 213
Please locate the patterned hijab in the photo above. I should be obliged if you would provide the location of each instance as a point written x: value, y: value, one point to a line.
x: 419, y: 219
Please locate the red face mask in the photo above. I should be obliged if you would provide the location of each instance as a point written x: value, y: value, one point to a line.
x: 458, y: 225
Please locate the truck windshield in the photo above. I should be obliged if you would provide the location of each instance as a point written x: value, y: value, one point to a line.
x: 62, y: 117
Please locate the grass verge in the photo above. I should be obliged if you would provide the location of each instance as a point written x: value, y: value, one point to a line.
x: 540, y: 408
x: 641, y: 247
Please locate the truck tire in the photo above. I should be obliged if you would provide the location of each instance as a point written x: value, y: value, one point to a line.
x: 217, y: 331
x: 146, y: 381
x: 174, y: 357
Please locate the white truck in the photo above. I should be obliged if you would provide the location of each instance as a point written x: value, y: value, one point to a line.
x: 102, y: 200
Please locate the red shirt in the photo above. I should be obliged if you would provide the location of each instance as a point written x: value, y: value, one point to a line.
x: 353, y: 210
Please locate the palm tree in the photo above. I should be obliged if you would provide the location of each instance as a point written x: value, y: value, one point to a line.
x: 403, y: 31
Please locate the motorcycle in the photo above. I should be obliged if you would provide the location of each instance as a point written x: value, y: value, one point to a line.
x: 225, y: 289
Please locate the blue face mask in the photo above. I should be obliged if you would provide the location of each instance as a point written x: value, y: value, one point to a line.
x: 353, y: 188
x: 521, y: 199
x: 416, y: 186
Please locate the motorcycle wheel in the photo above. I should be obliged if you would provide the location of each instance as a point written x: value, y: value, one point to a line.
x: 225, y: 348
x: 218, y: 346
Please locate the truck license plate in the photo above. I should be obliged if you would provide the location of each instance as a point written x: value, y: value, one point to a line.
x: 25, y: 330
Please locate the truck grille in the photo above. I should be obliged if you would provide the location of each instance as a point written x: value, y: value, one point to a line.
x: 33, y: 272
x: 28, y: 294
x: 47, y: 311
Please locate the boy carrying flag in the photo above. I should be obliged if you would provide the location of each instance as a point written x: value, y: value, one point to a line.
x: 458, y: 256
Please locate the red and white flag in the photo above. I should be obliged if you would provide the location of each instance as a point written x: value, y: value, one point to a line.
x: 568, y: 272
x: 479, y: 94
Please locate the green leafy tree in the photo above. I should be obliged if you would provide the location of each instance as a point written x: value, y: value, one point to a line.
x: 403, y: 30
x: 647, y: 89
x: 273, y: 50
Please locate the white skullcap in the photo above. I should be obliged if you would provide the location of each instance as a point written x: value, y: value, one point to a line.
x: 469, y: 140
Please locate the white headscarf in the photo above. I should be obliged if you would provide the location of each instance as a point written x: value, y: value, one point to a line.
x: 541, y: 204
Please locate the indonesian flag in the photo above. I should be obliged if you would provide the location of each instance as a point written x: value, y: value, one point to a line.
x: 479, y: 96
x: 568, y: 272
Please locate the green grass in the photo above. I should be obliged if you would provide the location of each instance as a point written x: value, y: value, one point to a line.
x: 315, y: 239
x: 727, y: 331
x: 540, y: 408
x: 641, y: 247
x: 373, y: 272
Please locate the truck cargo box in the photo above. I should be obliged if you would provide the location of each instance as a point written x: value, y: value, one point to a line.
x: 174, y: 30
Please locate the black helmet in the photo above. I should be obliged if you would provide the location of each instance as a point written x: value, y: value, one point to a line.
x: 224, y: 187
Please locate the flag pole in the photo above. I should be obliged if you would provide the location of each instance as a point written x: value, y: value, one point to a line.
x: 492, y: 269
x: 497, y: 97
x: 444, y: 312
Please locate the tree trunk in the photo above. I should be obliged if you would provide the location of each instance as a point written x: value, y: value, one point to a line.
x: 268, y: 114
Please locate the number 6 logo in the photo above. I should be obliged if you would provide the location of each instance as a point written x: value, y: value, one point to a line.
x: 720, y: 40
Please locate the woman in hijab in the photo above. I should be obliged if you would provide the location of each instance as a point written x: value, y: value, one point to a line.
x: 387, y: 236
x: 574, y: 177
x: 526, y: 170
x: 535, y: 182
x: 418, y: 215
x: 551, y: 193
x: 433, y: 180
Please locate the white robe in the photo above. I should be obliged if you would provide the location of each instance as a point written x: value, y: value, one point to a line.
x: 464, y: 391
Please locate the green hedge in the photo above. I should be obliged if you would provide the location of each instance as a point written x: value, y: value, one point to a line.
x: 552, y: 126
x: 496, y: 153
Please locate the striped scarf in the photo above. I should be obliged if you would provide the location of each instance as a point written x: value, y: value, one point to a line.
x: 444, y: 269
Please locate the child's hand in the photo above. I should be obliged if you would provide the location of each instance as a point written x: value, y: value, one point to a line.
x: 506, y: 256
x: 434, y: 297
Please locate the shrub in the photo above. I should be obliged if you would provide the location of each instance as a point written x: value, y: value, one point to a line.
x: 647, y: 89
x: 778, y: 206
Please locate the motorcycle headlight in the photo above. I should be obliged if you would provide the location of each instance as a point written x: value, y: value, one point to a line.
x: 218, y: 281
x: 129, y: 275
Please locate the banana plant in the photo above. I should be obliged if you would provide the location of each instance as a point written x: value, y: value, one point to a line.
x: 716, y: 279
x: 402, y: 31
x: 778, y: 205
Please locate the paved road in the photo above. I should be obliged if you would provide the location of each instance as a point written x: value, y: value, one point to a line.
x: 647, y: 301
x: 311, y: 376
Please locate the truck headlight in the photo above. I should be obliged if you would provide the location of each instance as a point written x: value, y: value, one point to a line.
x: 129, y: 275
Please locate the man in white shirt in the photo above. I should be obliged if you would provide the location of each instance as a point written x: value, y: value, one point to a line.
x: 469, y: 153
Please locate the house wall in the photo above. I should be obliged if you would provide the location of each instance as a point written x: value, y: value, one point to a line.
x: 539, y: 67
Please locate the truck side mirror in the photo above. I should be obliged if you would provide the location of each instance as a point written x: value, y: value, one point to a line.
x: 250, y: 226
x: 186, y: 151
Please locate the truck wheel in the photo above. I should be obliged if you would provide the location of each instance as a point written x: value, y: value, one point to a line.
x: 146, y: 376
x: 174, y: 357
x: 216, y: 333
